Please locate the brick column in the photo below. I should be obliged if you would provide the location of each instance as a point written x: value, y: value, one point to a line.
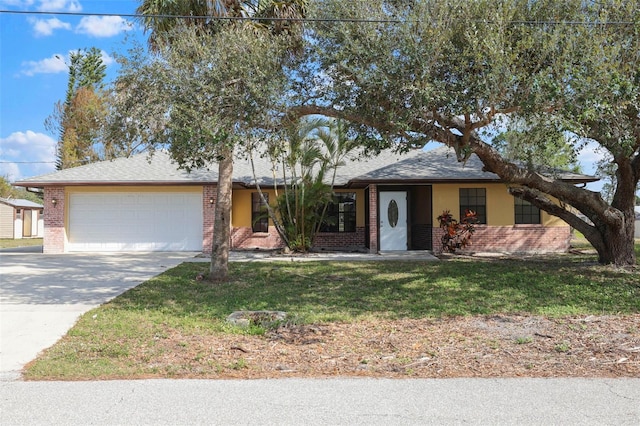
x: 373, y: 218
x: 208, y: 193
x: 54, y: 231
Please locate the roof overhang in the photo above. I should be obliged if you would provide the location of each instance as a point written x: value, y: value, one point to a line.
x: 35, y: 184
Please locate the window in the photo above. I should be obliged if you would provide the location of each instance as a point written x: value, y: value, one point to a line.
x: 341, y: 213
x: 525, y: 212
x: 259, y: 215
x: 474, y: 199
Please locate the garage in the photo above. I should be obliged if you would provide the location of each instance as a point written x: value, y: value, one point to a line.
x: 134, y: 221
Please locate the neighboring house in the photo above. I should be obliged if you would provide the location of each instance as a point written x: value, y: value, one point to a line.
x: 389, y: 202
x: 637, y: 233
x: 20, y: 219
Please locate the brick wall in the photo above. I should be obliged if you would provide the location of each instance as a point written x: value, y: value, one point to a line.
x: 54, y: 232
x: 341, y: 240
x: 518, y: 238
x: 245, y: 238
x: 208, y: 208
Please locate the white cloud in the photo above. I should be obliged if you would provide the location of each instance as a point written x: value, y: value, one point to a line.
x: 106, y: 59
x: 26, y: 154
x: 46, y: 5
x: 105, y: 26
x: 53, y: 65
x: 60, y: 6
x: 10, y: 171
x: 23, y: 3
x: 589, y: 156
x: 45, y: 27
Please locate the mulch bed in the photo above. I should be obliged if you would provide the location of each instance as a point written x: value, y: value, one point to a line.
x: 490, y: 346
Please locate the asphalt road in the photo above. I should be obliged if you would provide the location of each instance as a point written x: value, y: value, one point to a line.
x: 323, y: 402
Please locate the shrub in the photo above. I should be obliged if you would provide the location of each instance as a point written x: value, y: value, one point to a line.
x: 457, y: 235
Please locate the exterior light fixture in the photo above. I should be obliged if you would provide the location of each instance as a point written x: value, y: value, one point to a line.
x: 54, y: 202
x: 211, y: 200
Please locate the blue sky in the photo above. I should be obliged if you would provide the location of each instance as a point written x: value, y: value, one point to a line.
x: 33, y: 74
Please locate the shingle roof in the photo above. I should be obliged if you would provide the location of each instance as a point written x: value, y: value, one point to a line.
x: 137, y: 169
x: 20, y: 203
x: 437, y: 165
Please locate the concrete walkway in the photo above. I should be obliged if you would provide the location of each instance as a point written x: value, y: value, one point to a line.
x: 268, y: 256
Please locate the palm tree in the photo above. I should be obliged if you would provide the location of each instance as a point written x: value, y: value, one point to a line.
x: 309, y: 154
x: 160, y: 18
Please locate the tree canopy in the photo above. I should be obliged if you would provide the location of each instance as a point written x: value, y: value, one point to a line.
x: 208, y: 86
x: 404, y: 73
x: 457, y: 71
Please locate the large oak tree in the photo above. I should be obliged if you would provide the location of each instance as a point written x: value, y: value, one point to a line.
x: 460, y: 71
x: 208, y: 86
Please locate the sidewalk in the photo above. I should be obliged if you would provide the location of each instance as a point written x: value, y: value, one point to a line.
x: 271, y: 256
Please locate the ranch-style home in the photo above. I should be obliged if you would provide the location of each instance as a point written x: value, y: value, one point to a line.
x: 389, y: 202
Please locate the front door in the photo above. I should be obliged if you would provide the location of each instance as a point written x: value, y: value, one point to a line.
x: 393, y: 220
x: 26, y: 223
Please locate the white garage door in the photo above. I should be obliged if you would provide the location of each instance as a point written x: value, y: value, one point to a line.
x: 135, y: 221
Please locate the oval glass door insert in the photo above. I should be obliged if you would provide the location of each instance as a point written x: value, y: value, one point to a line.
x: 392, y: 213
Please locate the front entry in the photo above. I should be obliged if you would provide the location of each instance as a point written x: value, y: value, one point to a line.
x: 393, y: 220
x: 26, y: 223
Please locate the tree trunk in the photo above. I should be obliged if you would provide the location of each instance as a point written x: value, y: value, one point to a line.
x: 618, y: 246
x: 612, y: 234
x: 219, y: 270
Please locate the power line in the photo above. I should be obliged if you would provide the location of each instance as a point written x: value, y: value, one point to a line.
x: 211, y: 17
x: 310, y: 20
x: 27, y: 162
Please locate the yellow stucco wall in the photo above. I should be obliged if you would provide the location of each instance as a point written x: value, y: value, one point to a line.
x: 241, y: 210
x: 500, y: 204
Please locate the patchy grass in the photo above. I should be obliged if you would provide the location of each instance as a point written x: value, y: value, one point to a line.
x: 127, y: 337
x: 24, y: 242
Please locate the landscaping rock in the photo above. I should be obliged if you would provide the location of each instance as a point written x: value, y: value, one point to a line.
x: 259, y: 318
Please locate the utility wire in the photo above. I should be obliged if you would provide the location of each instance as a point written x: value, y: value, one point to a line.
x: 311, y: 20
x: 218, y: 18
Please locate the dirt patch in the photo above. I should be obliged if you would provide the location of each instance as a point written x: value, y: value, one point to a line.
x: 491, y: 346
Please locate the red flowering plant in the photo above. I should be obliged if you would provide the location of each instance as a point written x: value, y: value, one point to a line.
x: 457, y: 235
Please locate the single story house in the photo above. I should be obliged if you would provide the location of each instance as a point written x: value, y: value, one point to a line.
x: 20, y: 219
x: 388, y: 202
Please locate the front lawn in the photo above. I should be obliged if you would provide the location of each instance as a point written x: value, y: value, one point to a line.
x: 174, y: 325
x: 24, y: 242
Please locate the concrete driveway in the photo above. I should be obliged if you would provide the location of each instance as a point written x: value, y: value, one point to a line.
x: 42, y: 296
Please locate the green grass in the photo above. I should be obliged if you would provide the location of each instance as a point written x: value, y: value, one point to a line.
x: 116, y: 338
x: 327, y: 291
x: 24, y: 242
